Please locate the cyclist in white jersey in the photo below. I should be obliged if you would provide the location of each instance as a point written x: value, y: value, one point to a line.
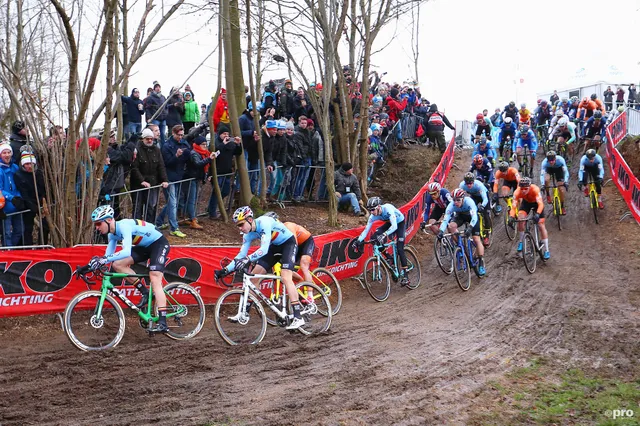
x: 141, y: 241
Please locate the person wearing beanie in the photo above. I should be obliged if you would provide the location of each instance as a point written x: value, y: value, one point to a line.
x: 13, y: 225
x: 285, y: 103
x: 132, y: 114
x: 348, y: 189
x: 221, y: 111
x: 394, y: 109
x: 175, y: 109
x: 268, y: 132
x: 153, y: 106
x: 191, y: 113
x: 229, y: 147
x: 32, y: 192
x: 435, y: 127
x: 250, y: 138
x: 147, y: 172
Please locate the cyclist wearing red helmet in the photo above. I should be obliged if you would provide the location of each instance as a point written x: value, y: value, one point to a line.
x: 483, y: 126
x: 439, y: 198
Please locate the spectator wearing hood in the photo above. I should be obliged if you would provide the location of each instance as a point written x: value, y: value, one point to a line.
x: 147, y: 171
x: 436, y: 121
x: 175, y: 109
x: 18, y: 139
x: 301, y: 104
x: 155, y: 103
x: 30, y: 180
x: 13, y: 226
x: 229, y: 147
x: 250, y: 138
x: 134, y: 112
x: 221, y: 112
x: 203, y: 114
x: 269, y: 99
x: 191, y: 114
x: 348, y: 189
x: 395, y: 108
x: 118, y: 162
x: 198, y: 169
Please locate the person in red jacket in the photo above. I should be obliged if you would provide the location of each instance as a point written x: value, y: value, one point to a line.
x: 394, y: 109
x: 221, y: 112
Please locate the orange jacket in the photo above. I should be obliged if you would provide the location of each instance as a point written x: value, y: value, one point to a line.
x: 600, y: 105
x: 587, y: 106
x: 510, y: 175
x: 300, y: 233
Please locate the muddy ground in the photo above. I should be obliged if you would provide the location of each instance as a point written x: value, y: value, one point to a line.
x: 418, y: 358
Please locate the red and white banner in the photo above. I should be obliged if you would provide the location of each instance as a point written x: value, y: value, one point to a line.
x: 617, y: 129
x: 621, y: 174
x: 41, y: 281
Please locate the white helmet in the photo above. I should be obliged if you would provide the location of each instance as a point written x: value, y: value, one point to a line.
x: 102, y: 213
x: 559, y: 113
x: 508, y: 120
x: 563, y: 121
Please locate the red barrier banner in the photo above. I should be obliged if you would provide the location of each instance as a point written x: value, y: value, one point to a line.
x: 621, y: 174
x: 41, y: 281
x: 617, y: 129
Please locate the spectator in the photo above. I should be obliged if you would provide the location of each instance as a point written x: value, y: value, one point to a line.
x: 175, y: 109
x: 435, y: 127
x: 608, y: 98
x: 632, y: 96
x: 187, y: 88
x: 554, y: 97
x: 118, y: 162
x: 30, y: 181
x: 57, y: 137
x: 496, y: 118
x: 301, y: 104
x: 18, y: 139
x: 229, y: 148
x: 134, y: 111
x: 147, y: 171
x: 191, y: 115
x: 395, y: 108
x: 198, y: 169
x: 285, y: 104
x: 155, y: 103
x: 269, y: 98
x: 13, y: 226
x: 221, y: 112
x: 279, y: 157
x: 376, y: 154
x: 203, y: 114
x: 156, y: 133
x: 302, y: 139
x: 317, y: 159
x: 175, y: 153
x: 250, y: 139
x: 268, y: 132
x: 348, y: 189
x: 620, y: 97
x: 293, y: 158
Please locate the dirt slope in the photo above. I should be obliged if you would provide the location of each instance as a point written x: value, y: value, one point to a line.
x: 412, y: 360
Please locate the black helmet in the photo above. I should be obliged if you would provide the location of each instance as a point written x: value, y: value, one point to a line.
x: 597, y: 114
x: 373, y: 203
x: 503, y: 166
x: 551, y: 155
x: 17, y: 126
x: 512, y: 104
x: 594, y: 96
x: 469, y: 177
x: 591, y: 153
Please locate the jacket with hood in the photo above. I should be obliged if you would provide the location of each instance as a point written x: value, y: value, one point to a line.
x: 196, y: 164
x: 134, y: 115
x: 17, y: 141
x: 175, y: 165
x: 152, y: 103
x: 343, y: 181
x: 220, y: 113
x: 175, y: 109
x: 224, y: 161
x: 148, y: 167
x: 246, y: 132
x: 8, y: 185
x: 302, y: 138
x: 24, y: 181
x: 120, y: 159
x: 436, y: 120
x: 395, y: 107
x: 191, y: 111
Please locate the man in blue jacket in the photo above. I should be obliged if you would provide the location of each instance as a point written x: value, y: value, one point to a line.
x: 152, y: 104
x: 13, y: 227
x: 175, y: 153
x: 134, y: 111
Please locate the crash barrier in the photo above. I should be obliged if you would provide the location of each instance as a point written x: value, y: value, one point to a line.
x: 17, y: 230
x: 41, y: 281
x: 621, y: 174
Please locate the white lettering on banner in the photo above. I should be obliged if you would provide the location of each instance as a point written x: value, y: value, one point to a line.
x: 26, y: 300
x: 344, y: 267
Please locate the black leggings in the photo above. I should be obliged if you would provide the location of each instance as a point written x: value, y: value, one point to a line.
x: 400, y: 240
x: 594, y: 172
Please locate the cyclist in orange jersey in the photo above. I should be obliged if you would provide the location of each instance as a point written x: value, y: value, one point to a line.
x: 529, y: 197
x: 510, y: 178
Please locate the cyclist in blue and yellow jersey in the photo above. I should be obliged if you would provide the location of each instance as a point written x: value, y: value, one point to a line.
x: 275, y: 239
x: 485, y: 150
x: 555, y: 164
x: 591, y: 164
x: 463, y: 210
x: 480, y: 195
x: 141, y: 241
x: 438, y: 198
x: 394, y: 223
x: 525, y: 137
x: 594, y: 129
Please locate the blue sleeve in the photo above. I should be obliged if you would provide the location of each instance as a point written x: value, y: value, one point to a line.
x: 111, y: 247
x: 246, y: 243
x: 394, y: 224
x: 427, y: 208
x: 125, y: 230
x: 447, y: 217
x: 600, y: 167
x: 483, y: 193
x: 543, y: 169
x: 473, y: 212
x: 367, y: 228
x: 583, y: 162
x: 265, y: 241
x: 566, y: 172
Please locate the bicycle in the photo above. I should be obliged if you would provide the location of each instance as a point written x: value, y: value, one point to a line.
x: 509, y: 228
x: 525, y: 168
x: 557, y: 204
x: 506, y: 151
x: 593, y: 197
x: 531, y: 244
x: 464, y: 258
x: 103, y: 318
x: 443, y: 252
x: 244, y: 303
x: 542, y: 130
x: 377, y: 269
x: 321, y: 277
x: 486, y: 233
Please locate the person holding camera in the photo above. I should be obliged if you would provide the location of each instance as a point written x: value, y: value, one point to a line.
x: 228, y: 147
x: 134, y: 110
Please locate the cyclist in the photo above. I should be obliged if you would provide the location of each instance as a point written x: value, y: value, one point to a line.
x: 525, y: 137
x: 591, y: 163
x: 483, y: 126
x: 574, y: 104
x: 565, y: 131
x: 594, y: 130
x: 484, y: 149
x: 598, y: 102
x: 511, y: 111
x: 555, y: 164
x: 479, y: 194
x: 528, y: 197
x: 508, y: 131
x: 586, y: 108
x: 542, y: 116
x: 525, y: 115
x: 483, y: 169
x: 275, y: 239
x: 440, y: 198
x: 148, y: 244
x: 463, y: 210
x: 394, y: 224
x: 509, y: 177
x: 556, y: 116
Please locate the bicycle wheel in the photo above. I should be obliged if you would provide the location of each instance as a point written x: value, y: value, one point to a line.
x: 557, y: 210
x: 529, y: 253
x: 509, y: 229
x: 85, y: 330
x: 472, y: 258
x: 251, y: 327
x: 594, y: 205
x: 316, y: 308
x: 444, y: 255
x: 190, y: 313
x: 376, y: 279
x: 462, y: 271
x: 414, y: 271
x: 324, y: 279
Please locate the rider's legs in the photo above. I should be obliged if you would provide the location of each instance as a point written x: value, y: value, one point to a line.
x: 433, y: 227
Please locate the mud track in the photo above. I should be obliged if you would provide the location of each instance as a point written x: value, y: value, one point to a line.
x: 410, y: 360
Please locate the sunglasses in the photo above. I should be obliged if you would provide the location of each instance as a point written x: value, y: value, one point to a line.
x: 434, y: 193
x: 458, y: 199
x: 240, y: 225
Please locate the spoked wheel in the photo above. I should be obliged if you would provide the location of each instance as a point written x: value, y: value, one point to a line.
x: 413, y: 268
x: 474, y: 259
x: 462, y: 271
x: 509, y: 229
x: 89, y: 331
x: 324, y: 279
x: 529, y: 253
x: 316, y: 308
x: 186, y: 303
x: 444, y: 255
x: 248, y: 328
x: 594, y: 205
x: 557, y: 210
x: 376, y: 279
